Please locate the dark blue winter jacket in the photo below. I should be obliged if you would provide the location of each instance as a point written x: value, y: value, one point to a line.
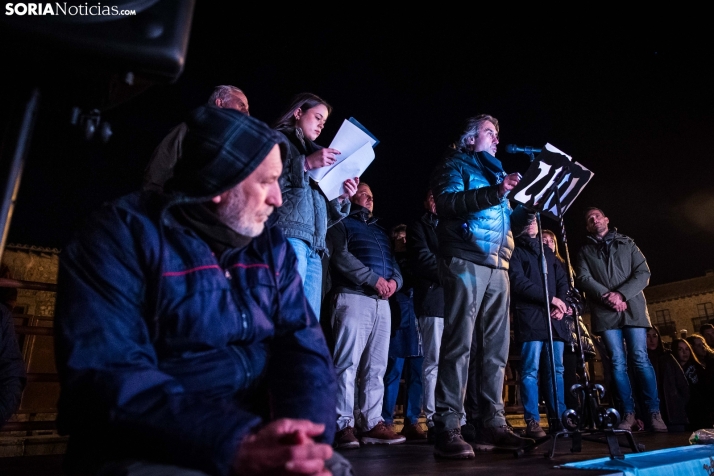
x: 361, y: 255
x: 474, y: 222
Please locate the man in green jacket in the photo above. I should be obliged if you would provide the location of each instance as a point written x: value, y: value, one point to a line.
x: 613, y: 272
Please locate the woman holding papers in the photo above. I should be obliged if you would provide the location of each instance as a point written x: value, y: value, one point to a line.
x: 306, y: 213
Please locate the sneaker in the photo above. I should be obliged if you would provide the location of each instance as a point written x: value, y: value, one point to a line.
x: 413, y: 432
x: 628, y: 421
x: 533, y: 429
x: 468, y: 432
x: 381, y: 434
x: 656, y: 423
x: 450, y: 445
x: 346, y: 438
x: 500, y: 437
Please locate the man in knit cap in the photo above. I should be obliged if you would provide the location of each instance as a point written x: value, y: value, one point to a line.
x: 184, y: 341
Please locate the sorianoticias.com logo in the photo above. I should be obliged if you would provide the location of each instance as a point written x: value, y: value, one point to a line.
x: 64, y: 9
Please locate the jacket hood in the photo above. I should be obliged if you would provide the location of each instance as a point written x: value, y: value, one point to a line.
x: 221, y: 148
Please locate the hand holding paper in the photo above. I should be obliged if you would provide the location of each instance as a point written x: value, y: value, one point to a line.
x: 321, y: 158
x: 356, y: 153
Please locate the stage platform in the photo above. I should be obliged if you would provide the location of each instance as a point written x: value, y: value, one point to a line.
x: 417, y: 459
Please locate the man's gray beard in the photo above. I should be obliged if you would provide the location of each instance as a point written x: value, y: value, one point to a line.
x: 233, y: 212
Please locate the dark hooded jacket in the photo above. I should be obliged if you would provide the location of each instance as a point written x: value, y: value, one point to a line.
x: 530, y: 316
x: 170, y: 351
x: 614, y: 263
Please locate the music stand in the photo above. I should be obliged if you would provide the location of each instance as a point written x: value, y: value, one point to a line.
x: 549, y: 187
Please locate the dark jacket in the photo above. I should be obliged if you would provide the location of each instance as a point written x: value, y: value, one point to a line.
x: 404, y: 340
x: 161, y: 166
x: 673, y: 389
x: 12, y: 367
x: 613, y: 264
x: 422, y: 247
x: 699, y: 406
x: 530, y: 316
x: 171, y: 351
x: 362, y: 253
x: 306, y: 213
x: 474, y: 223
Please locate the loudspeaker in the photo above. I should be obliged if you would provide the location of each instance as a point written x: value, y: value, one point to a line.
x: 130, y: 38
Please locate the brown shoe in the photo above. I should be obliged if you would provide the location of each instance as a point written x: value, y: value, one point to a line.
x: 381, y: 435
x: 413, y: 432
x: 656, y: 423
x: 533, y: 429
x: 450, y: 445
x: 627, y: 422
x: 346, y: 438
x: 500, y: 437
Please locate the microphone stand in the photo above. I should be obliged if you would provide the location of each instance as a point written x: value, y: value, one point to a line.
x: 590, y: 420
x: 550, y: 354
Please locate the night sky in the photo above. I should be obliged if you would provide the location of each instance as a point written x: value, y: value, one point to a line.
x: 632, y: 104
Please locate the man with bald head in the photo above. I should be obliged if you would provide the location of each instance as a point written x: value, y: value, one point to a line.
x: 365, y: 274
x: 165, y: 156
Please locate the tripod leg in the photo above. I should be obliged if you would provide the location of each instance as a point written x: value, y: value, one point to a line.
x: 614, y: 445
x: 577, y: 445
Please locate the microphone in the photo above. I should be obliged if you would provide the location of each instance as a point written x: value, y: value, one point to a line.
x: 514, y: 149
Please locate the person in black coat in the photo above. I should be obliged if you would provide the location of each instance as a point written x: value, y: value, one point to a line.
x: 531, y: 323
x: 671, y: 383
x: 698, y: 407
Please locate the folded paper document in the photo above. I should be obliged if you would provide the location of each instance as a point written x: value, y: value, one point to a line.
x: 356, y: 146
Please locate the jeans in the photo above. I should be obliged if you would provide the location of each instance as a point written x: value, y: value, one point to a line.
x: 361, y: 326
x: 630, y: 343
x: 474, y: 346
x: 531, y: 353
x: 309, y: 266
x: 392, y: 378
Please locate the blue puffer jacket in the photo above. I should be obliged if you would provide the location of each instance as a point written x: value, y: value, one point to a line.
x: 306, y: 214
x: 228, y: 344
x: 361, y: 255
x: 474, y: 223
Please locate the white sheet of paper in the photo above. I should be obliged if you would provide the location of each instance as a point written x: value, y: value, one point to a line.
x: 348, y: 140
x: 353, y: 166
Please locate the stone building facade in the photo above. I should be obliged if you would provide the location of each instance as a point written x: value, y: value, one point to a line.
x: 34, y: 308
x: 682, y: 305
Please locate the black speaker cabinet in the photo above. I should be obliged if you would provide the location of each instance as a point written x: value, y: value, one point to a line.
x: 147, y: 38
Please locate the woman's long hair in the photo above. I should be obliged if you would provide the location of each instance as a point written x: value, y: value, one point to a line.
x: 694, y: 337
x: 692, y: 355
x: 302, y: 101
x: 555, y: 241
